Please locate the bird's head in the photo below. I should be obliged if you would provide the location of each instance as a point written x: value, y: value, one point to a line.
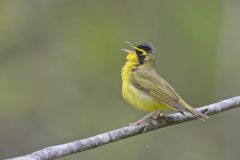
x: 142, y: 53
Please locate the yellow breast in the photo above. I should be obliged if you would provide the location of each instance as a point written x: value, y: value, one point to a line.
x: 136, y: 97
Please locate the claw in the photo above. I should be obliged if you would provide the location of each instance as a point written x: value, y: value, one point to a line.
x: 144, y: 123
x: 158, y: 117
x: 205, y: 110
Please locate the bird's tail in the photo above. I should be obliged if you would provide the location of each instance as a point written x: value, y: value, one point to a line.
x: 193, y: 111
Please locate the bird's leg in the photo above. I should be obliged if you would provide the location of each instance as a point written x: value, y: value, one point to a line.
x: 158, y: 115
x: 143, y: 120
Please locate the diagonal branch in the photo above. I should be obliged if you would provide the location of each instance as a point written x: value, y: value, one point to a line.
x: 125, y: 132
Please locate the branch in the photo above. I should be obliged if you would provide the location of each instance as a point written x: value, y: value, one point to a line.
x: 125, y: 132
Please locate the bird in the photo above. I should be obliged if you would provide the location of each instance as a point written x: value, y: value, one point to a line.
x: 145, y: 89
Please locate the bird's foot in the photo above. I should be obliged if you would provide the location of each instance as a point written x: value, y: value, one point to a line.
x: 144, y: 120
x: 155, y: 115
x: 144, y: 123
x: 205, y: 110
x: 158, y: 117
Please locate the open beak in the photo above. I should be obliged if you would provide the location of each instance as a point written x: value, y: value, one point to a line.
x: 126, y: 50
x: 134, y: 47
x: 129, y: 43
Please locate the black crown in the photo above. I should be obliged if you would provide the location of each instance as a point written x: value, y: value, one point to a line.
x: 148, y: 47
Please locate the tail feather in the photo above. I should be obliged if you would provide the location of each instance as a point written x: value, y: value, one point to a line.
x: 193, y: 111
x: 198, y: 114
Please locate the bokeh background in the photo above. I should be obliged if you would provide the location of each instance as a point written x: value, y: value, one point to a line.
x: 60, y: 63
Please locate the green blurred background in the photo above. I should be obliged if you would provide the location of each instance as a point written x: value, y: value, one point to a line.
x: 60, y: 63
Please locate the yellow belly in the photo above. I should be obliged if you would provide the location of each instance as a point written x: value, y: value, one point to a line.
x: 141, y: 100
x: 136, y: 97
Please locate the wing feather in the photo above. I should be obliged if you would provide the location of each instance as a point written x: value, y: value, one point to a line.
x: 150, y: 82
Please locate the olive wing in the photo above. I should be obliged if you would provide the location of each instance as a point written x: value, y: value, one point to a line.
x: 150, y: 82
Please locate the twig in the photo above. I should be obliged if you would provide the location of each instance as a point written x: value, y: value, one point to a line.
x: 125, y: 132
